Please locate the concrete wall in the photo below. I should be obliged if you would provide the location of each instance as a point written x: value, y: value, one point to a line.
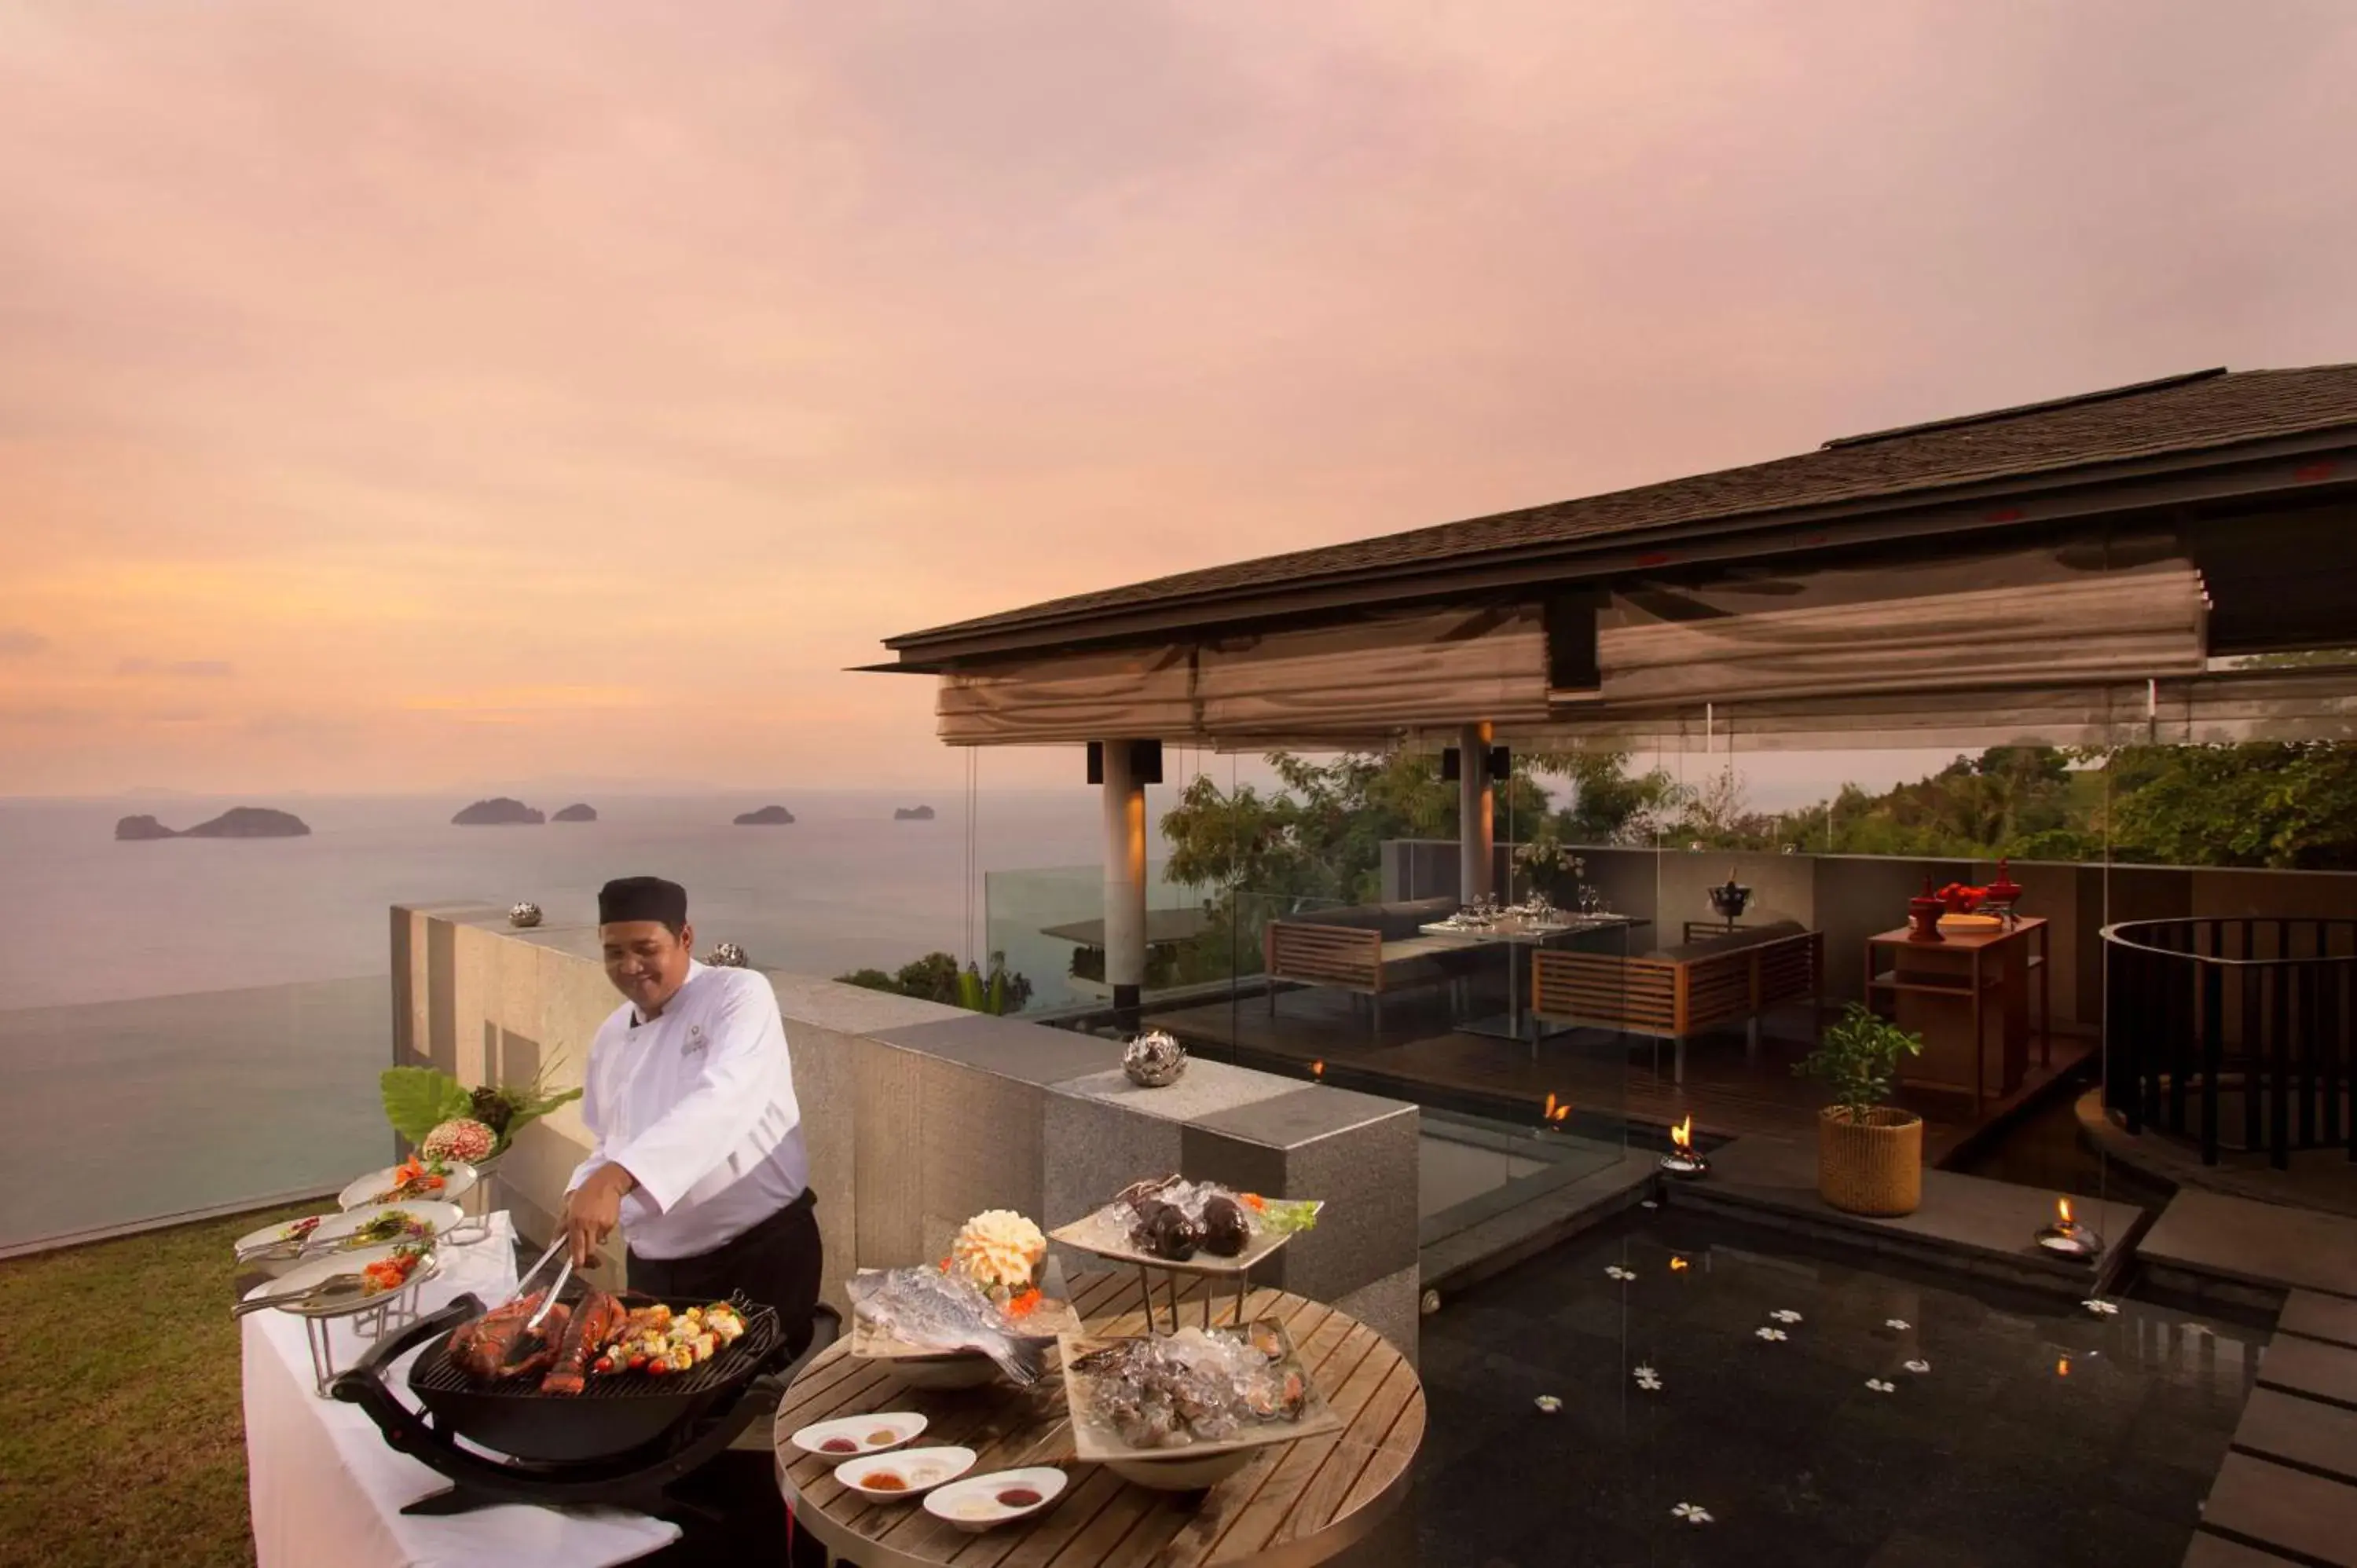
x: 917, y: 1116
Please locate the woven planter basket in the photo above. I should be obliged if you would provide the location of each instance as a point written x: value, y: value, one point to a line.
x: 1875, y: 1168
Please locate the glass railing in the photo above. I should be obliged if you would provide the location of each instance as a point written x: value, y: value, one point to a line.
x: 130, y: 1111
x: 1048, y: 926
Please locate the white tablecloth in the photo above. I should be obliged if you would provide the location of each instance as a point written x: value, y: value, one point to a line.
x: 326, y: 1492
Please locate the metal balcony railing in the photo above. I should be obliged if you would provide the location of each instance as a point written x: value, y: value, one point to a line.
x: 2200, y: 1011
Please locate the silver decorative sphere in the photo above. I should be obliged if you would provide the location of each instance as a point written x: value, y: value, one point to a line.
x: 727, y: 955
x: 1154, y: 1059
x: 524, y: 915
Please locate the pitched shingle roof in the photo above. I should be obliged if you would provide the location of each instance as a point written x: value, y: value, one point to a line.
x: 2206, y: 410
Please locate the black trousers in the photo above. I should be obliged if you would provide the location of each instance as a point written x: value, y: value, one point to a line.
x: 778, y: 1264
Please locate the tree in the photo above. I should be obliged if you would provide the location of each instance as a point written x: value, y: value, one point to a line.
x: 936, y: 977
x: 1608, y: 805
x: 2289, y: 805
x: 2282, y: 804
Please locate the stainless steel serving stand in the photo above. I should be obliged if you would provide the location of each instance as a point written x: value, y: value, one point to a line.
x: 370, y: 1319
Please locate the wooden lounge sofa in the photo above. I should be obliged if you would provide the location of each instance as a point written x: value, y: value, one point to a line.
x: 1366, y: 949
x: 1675, y: 991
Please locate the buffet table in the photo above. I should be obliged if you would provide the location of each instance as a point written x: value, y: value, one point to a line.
x: 325, y: 1488
x: 1300, y: 1502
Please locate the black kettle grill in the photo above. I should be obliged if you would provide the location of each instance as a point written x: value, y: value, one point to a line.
x: 620, y: 1441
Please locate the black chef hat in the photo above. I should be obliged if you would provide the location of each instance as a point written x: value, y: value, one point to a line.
x: 642, y: 898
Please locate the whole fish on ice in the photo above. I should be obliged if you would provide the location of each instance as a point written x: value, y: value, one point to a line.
x: 935, y: 1311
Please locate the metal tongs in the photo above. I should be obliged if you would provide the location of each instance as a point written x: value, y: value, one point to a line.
x: 532, y: 1323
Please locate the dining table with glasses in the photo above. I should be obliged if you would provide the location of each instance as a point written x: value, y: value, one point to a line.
x: 1533, y: 924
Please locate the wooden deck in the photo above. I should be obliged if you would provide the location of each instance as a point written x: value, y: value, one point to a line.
x: 1418, y: 1054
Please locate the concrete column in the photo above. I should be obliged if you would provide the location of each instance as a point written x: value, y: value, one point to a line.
x: 1476, y: 815
x: 1124, y: 880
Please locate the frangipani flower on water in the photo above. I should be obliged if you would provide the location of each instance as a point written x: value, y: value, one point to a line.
x: 2103, y: 1308
x: 1785, y: 1315
x: 1548, y: 1404
x: 1919, y: 1367
x: 1771, y: 1333
x: 1693, y: 1513
x: 1648, y: 1379
x: 1901, y: 1324
x: 1879, y: 1386
x: 1617, y: 1273
x: 1648, y: 1203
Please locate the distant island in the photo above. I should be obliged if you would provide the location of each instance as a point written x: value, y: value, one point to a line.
x: 575, y: 813
x: 238, y: 823
x: 767, y: 817
x: 913, y: 814
x: 499, y: 811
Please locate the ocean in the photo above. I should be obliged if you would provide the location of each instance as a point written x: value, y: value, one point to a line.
x: 190, y: 1024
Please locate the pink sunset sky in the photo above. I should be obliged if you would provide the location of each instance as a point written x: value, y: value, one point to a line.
x: 398, y: 396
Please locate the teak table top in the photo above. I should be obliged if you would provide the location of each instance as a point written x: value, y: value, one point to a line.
x: 1963, y: 941
x: 1297, y: 1502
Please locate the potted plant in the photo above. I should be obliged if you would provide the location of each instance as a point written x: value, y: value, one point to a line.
x: 1869, y: 1155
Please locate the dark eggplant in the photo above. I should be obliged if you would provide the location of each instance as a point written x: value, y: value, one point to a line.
x: 1225, y: 1233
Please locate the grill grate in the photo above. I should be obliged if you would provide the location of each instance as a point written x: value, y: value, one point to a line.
x: 435, y: 1373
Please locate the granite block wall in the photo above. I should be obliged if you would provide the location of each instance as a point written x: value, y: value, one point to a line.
x: 917, y: 1116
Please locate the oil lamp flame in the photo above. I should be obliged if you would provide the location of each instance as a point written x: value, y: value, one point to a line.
x: 2067, y: 1238
x: 1681, y: 1160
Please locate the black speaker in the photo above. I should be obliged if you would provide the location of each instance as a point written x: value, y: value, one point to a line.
x: 1145, y: 761
x: 1570, y: 623
x: 1501, y: 763
x: 1452, y: 769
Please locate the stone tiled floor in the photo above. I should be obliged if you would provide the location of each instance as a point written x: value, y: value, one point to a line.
x: 2040, y: 1432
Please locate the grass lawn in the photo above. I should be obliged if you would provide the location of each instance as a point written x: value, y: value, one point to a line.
x: 121, y: 1436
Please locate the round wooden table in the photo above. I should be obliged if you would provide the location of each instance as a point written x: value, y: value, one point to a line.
x: 1296, y: 1502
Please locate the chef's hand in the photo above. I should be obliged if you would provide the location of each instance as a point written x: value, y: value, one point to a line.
x: 593, y: 1210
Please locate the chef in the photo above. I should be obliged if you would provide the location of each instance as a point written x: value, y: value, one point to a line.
x: 689, y: 1098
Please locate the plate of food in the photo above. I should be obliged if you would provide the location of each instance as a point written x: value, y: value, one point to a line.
x: 1179, y: 1412
x: 906, y: 1475
x: 374, y: 1225
x: 851, y: 1437
x: 984, y: 1502
x: 1190, y: 1227
x: 343, y: 1283
x: 436, y: 1180
x: 985, y: 1308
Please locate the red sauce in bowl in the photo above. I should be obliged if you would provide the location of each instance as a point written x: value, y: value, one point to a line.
x: 1018, y: 1497
x: 838, y: 1446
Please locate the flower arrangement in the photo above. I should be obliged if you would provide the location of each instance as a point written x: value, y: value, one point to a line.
x: 419, y: 1101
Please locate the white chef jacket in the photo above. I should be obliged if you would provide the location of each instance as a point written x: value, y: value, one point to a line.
x: 699, y: 1105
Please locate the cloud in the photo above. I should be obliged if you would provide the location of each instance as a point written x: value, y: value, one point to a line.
x: 407, y: 371
x: 186, y: 668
